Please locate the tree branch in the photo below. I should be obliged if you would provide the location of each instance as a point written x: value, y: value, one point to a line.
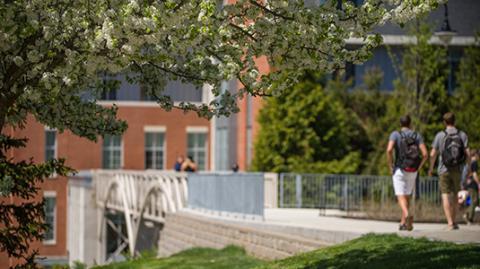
x: 245, y: 32
x: 267, y: 10
x: 173, y: 72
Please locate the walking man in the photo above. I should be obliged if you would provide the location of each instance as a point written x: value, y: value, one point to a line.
x: 408, y: 145
x: 471, y: 185
x: 451, y: 147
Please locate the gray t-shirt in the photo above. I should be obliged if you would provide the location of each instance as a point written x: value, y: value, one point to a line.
x: 438, y: 144
x: 397, y: 137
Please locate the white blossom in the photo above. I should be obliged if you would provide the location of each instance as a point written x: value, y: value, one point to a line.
x: 18, y: 60
x: 67, y: 80
x: 68, y: 47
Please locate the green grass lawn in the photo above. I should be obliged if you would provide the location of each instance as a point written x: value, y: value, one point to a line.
x: 371, y: 251
x: 196, y: 258
x: 386, y: 251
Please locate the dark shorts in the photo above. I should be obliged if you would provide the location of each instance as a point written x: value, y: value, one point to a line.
x: 450, y: 181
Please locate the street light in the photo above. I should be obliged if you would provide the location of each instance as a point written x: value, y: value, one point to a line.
x: 446, y: 33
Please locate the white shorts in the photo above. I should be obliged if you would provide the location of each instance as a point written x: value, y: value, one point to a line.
x: 403, y: 182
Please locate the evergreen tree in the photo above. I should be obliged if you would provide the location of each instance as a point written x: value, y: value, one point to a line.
x: 367, y: 105
x: 466, y: 103
x: 306, y: 130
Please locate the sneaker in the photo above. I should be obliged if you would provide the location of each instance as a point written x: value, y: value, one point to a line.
x: 409, y: 223
x: 452, y: 227
x: 403, y: 227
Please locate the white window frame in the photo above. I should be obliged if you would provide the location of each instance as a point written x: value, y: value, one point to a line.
x: 156, y: 130
x: 113, y: 148
x: 199, y: 130
x: 52, y: 194
x: 55, y: 146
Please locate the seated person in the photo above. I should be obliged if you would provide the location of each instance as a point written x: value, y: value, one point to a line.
x: 189, y: 165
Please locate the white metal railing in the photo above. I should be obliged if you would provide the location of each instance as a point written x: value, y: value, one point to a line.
x: 346, y: 192
x: 140, y: 195
x: 135, y: 192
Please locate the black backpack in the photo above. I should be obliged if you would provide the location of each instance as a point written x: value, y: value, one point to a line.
x: 409, y: 152
x: 453, y: 152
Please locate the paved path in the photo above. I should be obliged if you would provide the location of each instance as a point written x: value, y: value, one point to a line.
x: 309, y: 224
x: 311, y: 220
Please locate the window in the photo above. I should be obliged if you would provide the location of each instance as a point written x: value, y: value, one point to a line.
x: 453, y: 65
x: 145, y: 96
x: 350, y: 72
x: 50, y: 144
x: 112, y: 152
x: 357, y: 2
x: 109, y: 87
x: 50, y: 204
x: 109, y: 94
x: 197, y: 147
x: 154, y: 150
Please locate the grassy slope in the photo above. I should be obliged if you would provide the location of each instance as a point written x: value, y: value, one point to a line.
x: 371, y: 251
x: 198, y: 258
x: 386, y: 251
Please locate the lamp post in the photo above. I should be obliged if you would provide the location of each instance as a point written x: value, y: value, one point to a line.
x: 445, y: 35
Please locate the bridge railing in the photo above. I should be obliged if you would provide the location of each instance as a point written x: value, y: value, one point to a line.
x: 137, y: 192
x: 347, y: 192
x: 229, y: 194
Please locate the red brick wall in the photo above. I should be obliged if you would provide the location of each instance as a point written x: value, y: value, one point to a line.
x: 81, y: 153
x: 257, y: 103
x: 175, y: 122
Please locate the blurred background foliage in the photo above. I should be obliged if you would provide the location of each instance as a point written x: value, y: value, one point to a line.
x: 324, y: 125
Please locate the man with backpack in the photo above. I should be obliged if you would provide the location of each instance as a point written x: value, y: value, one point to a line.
x: 451, y: 147
x: 408, y: 146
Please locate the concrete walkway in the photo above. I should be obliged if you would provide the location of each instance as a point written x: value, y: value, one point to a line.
x: 310, y: 219
x: 307, y: 223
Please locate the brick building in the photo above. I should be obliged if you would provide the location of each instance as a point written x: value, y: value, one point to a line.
x: 154, y: 139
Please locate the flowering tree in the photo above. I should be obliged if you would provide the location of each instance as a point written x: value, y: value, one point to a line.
x: 54, y: 52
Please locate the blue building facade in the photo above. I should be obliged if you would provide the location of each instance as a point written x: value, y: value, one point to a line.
x: 464, y: 18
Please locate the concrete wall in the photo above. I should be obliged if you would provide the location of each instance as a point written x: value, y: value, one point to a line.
x: 82, y: 222
x: 186, y: 230
x: 270, y: 190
